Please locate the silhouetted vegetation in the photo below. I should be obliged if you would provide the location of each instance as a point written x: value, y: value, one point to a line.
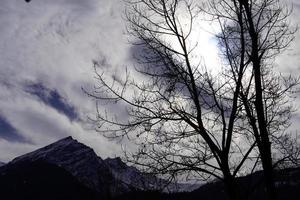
x: 189, y: 121
x: 40, y: 180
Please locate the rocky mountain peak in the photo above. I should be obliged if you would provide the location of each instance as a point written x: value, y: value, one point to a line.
x: 78, y: 159
x: 110, y: 176
x: 57, y: 151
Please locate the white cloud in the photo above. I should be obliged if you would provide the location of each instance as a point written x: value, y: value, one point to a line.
x: 54, y: 43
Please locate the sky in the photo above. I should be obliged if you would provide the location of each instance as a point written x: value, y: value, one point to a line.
x: 47, y: 50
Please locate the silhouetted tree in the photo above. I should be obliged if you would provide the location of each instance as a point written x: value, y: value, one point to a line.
x: 187, y: 120
x: 254, y: 33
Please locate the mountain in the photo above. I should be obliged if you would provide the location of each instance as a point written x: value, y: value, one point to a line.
x: 77, y: 159
x: 132, y: 179
x: 38, y: 180
x: 2, y: 163
x: 287, y: 183
x: 68, y: 169
x: 251, y: 187
x: 80, y: 167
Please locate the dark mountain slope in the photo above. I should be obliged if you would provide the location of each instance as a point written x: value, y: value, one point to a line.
x: 76, y: 158
x: 287, y: 183
x: 39, y: 180
x: 69, y: 170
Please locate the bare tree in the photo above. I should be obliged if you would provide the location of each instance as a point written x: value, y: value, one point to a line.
x: 185, y: 119
x: 256, y: 32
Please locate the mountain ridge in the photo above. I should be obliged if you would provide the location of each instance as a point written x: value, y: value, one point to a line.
x: 110, y: 177
x: 78, y: 159
x: 74, y: 171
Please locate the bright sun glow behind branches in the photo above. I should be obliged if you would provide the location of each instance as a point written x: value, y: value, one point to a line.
x: 201, y: 41
x: 206, y: 51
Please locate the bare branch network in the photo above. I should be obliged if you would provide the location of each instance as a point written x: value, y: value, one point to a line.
x: 187, y: 120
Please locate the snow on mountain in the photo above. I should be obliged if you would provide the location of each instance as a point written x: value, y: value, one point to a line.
x: 109, y: 176
x: 2, y: 163
x: 130, y: 176
x: 78, y: 159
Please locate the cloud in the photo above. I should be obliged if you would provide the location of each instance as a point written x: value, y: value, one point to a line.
x: 47, y: 50
x: 9, y: 133
x: 52, y: 98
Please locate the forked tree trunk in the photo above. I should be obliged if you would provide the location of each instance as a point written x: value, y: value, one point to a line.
x: 268, y: 173
x: 232, y: 189
x: 231, y: 186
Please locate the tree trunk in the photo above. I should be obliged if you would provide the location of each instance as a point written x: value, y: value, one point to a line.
x: 268, y: 173
x: 264, y: 145
x: 230, y: 182
x: 231, y: 188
